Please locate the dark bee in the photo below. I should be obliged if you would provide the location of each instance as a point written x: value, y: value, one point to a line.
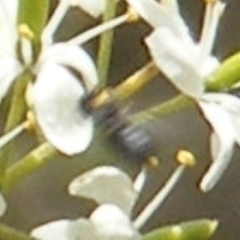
x: 130, y: 139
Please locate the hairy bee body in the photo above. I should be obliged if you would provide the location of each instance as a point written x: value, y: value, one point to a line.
x: 132, y: 140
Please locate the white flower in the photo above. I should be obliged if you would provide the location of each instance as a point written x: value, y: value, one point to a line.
x: 174, y: 51
x: 186, y: 63
x: 116, y: 195
x: 106, y: 185
x: 113, y: 190
x: 65, y: 74
x: 223, y: 113
x: 10, y: 66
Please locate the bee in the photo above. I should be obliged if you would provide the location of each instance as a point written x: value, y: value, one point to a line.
x: 123, y: 134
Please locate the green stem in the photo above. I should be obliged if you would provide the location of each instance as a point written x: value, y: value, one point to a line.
x: 201, y: 229
x: 15, y: 116
x: 128, y: 87
x: 18, y: 104
x: 105, y: 45
x: 226, y: 75
x: 9, y: 233
x: 136, y: 82
x: 37, y: 158
x: 174, y: 105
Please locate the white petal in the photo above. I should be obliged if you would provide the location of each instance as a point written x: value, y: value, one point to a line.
x: 93, y: 7
x: 74, y: 57
x: 11, y: 8
x: 105, y: 185
x: 221, y: 123
x: 176, y: 60
x: 57, y: 96
x: 216, y: 170
x: 8, y: 23
x: 212, y: 16
x: 10, y: 68
x: 3, y: 205
x: 228, y: 101
x: 231, y: 104
x: 111, y: 223
x: 208, y: 66
x: 65, y: 230
x: 159, y: 15
x: 53, y: 230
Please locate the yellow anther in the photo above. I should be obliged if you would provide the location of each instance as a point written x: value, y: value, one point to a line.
x: 25, y: 31
x: 28, y: 95
x: 186, y: 158
x: 100, y: 99
x: 152, y: 162
x: 132, y: 15
x: 31, y: 120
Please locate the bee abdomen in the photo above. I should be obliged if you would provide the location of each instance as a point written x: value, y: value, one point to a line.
x: 134, y: 142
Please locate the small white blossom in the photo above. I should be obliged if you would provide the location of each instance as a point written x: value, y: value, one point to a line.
x: 187, y: 63
x: 65, y: 73
x: 114, y: 191
x: 96, y: 185
x: 223, y: 113
x: 116, y: 195
x: 184, y: 61
x: 10, y: 66
x: 57, y: 95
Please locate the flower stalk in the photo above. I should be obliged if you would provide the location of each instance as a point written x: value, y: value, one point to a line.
x: 226, y: 75
x: 106, y: 26
x: 198, y: 229
x: 33, y: 161
x: 105, y: 44
x: 171, y: 106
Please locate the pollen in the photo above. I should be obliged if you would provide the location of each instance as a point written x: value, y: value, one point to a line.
x: 31, y: 120
x: 186, y: 158
x: 152, y: 162
x: 25, y: 31
x: 132, y: 15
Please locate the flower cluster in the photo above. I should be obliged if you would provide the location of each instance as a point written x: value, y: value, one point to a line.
x: 116, y: 195
x: 61, y: 76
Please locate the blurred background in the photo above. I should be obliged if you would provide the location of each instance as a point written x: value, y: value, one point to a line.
x: 43, y: 197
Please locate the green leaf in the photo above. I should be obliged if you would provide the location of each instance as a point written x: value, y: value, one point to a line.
x: 193, y: 230
x: 34, y: 13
